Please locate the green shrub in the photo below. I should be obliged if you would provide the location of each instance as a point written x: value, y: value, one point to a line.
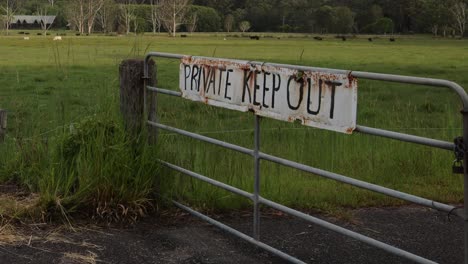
x: 208, y: 20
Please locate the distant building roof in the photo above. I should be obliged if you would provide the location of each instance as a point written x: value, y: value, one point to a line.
x: 33, y: 19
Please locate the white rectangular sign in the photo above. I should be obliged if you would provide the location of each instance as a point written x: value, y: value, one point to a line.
x: 317, y: 99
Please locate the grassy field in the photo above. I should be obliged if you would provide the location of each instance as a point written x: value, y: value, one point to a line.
x: 65, y: 142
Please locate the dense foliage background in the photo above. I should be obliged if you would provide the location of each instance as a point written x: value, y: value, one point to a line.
x: 446, y: 18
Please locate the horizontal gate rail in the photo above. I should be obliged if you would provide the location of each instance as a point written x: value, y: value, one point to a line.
x: 306, y: 217
x: 257, y: 155
x: 239, y: 234
x: 164, y: 91
x: 365, y: 185
x: 326, y: 174
x: 347, y: 232
x: 208, y: 180
x: 362, y: 129
x: 203, y: 138
x: 416, y: 80
x: 406, y: 138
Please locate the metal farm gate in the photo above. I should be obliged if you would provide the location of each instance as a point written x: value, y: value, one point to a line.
x: 195, y: 84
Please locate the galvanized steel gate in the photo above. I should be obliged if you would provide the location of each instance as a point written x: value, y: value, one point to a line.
x: 258, y: 155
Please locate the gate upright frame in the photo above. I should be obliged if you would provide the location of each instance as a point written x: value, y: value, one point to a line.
x: 258, y: 156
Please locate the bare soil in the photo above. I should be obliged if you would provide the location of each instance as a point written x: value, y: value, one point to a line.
x: 186, y: 240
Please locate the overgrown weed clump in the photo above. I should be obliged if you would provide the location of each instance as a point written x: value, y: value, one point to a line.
x: 94, y: 168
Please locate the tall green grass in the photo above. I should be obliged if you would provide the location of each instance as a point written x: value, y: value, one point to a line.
x: 93, y: 168
x: 65, y: 138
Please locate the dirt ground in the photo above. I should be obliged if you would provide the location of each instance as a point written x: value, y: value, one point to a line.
x: 187, y: 240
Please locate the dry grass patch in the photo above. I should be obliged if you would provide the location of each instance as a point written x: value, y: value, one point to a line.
x: 58, y: 238
x: 76, y: 258
x: 9, y: 236
x: 15, y: 203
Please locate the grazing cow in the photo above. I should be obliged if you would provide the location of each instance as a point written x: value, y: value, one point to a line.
x: 318, y: 38
x: 26, y: 38
x: 392, y: 39
x: 57, y: 38
x: 255, y: 37
x: 369, y: 39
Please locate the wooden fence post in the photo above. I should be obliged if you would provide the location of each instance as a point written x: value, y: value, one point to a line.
x: 3, y: 124
x: 132, y: 92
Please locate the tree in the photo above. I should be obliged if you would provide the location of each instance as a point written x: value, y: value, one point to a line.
x: 45, y: 21
x: 262, y: 15
x: 239, y: 14
x: 458, y: 10
x: 244, y: 26
x: 208, y: 20
x: 155, y: 16
x: 222, y: 6
x: 173, y: 14
x: 127, y: 14
x: 2, y: 22
x: 285, y: 7
x: 192, y: 23
x: 366, y: 17
x: 293, y: 14
x: 82, y: 13
x: 228, y: 22
x: 76, y: 13
x: 106, y: 16
x: 93, y: 8
x: 324, y: 18
x: 383, y: 26
x: 344, y: 19
x: 435, y: 16
x: 8, y: 8
x: 136, y: 24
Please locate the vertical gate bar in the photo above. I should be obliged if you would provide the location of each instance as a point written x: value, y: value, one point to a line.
x: 256, y: 224
x: 145, y: 93
x: 146, y: 78
x: 145, y: 81
x: 465, y: 181
x: 150, y: 97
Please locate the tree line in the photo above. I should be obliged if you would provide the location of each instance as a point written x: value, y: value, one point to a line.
x: 438, y: 17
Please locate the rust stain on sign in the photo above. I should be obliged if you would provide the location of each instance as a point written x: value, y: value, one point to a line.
x: 317, y: 99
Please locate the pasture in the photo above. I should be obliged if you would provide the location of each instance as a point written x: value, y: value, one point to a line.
x: 50, y: 87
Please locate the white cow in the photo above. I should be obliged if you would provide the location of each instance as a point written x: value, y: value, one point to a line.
x: 58, y: 38
x: 26, y: 38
